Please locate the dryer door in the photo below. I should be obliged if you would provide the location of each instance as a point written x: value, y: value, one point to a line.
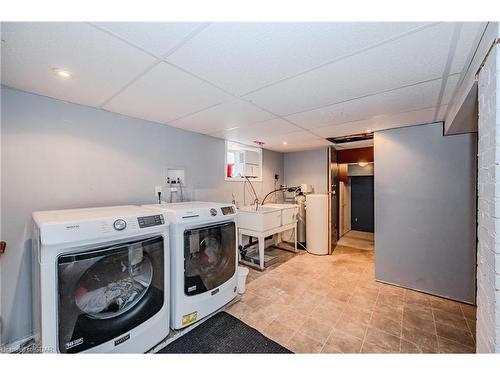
x: 106, y: 292
x: 209, y: 257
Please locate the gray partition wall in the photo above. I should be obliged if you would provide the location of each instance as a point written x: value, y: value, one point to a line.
x: 425, y: 210
x: 307, y: 167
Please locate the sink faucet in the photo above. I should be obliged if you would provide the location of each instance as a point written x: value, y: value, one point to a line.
x: 256, y: 198
x: 255, y: 203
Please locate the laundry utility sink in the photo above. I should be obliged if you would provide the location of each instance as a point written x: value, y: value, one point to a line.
x: 289, y: 212
x: 264, y: 219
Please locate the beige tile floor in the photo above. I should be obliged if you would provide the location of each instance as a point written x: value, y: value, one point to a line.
x: 332, y: 304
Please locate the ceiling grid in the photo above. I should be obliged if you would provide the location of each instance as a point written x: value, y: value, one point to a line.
x: 293, y: 82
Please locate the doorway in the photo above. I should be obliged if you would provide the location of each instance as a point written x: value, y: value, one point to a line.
x: 356, y: 205
x: 351, y: 191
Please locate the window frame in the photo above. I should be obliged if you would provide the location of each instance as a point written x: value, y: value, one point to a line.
x: 243, y: 147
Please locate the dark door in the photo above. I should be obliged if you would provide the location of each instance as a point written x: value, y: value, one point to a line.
x: 362, y: 213
x: 333, y: 192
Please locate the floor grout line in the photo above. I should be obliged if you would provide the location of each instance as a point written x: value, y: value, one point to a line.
x: 467, y: 324
x: 371, y: 316
x: 351, y: 278
x: 402, y: 318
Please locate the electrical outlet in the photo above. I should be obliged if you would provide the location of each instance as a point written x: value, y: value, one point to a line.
x: 176, y: 176
x: 157, y: 189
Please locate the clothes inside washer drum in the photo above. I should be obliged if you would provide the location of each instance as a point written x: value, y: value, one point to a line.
x: 101, y: 330
x: 116, y: 296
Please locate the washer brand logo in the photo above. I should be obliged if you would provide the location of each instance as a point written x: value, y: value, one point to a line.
x: 121, y: 340
x: 214, y: 292
x: 69, y: 227
x: 74, y: 343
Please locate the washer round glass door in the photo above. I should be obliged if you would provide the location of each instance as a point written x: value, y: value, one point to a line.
x: 113, y: 285
x: 106, y: 292
x: 209, y: 257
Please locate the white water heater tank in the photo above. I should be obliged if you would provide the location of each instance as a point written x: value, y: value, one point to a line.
x: 317, y: 223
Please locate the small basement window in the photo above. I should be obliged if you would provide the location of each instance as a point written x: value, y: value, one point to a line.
x: 242, y: 161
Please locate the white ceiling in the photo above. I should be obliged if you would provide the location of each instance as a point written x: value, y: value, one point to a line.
x: 273, y: 82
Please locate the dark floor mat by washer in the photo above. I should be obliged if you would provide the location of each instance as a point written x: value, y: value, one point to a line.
x: 223, y: 333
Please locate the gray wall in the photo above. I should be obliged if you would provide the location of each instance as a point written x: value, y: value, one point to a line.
x: 59, y: 155
x: 425, y: 210
x: 307, y: 167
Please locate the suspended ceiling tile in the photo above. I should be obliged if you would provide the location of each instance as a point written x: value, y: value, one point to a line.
x: 419, y: 117
x: 222, y: 117
x: 301, y: 140
x: 164, y: 94
x: 442, y: 113
x: 469, y: 35
x: 388, y: 66
x: 302, y: 146
x: 286, y: 149
x: 261, y: 131
x: 451, y: 84
x: 414, y: 97
x: 100, y: 64
x: 241, y: 57
x: 157, y: 38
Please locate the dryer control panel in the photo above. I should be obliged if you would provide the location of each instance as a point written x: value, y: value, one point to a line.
x: 150, y: 221
x: 229, y: 210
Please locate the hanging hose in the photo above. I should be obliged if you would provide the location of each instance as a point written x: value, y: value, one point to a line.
x: 182, y: 194
x: 256, y: 200
x: 293, y: 188
x: 305, y: 248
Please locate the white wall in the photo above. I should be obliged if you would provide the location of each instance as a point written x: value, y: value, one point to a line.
x: 59, y: 155
x: 425, y: 210
x: 307, y: 167
x: 488, y: 226
x: 345, y: 208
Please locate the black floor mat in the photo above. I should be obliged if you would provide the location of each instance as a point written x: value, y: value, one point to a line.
x: 223, y: 333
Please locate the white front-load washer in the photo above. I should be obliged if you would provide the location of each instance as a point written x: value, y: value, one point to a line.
x: 204, y: 258
x: 101, y: 280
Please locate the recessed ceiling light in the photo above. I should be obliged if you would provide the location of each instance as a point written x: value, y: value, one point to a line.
x: 284, y: 143
x: 62, y: 73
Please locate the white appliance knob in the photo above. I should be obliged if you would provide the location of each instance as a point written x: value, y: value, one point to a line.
x: 120, y: 224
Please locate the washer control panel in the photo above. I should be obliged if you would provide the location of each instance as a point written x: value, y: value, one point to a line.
x: 150, y: 221
x: 120, y: 224
x: 229, y: 210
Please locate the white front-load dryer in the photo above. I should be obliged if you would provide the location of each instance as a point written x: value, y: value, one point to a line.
x: 101, y: 280
x: 204, y: 261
